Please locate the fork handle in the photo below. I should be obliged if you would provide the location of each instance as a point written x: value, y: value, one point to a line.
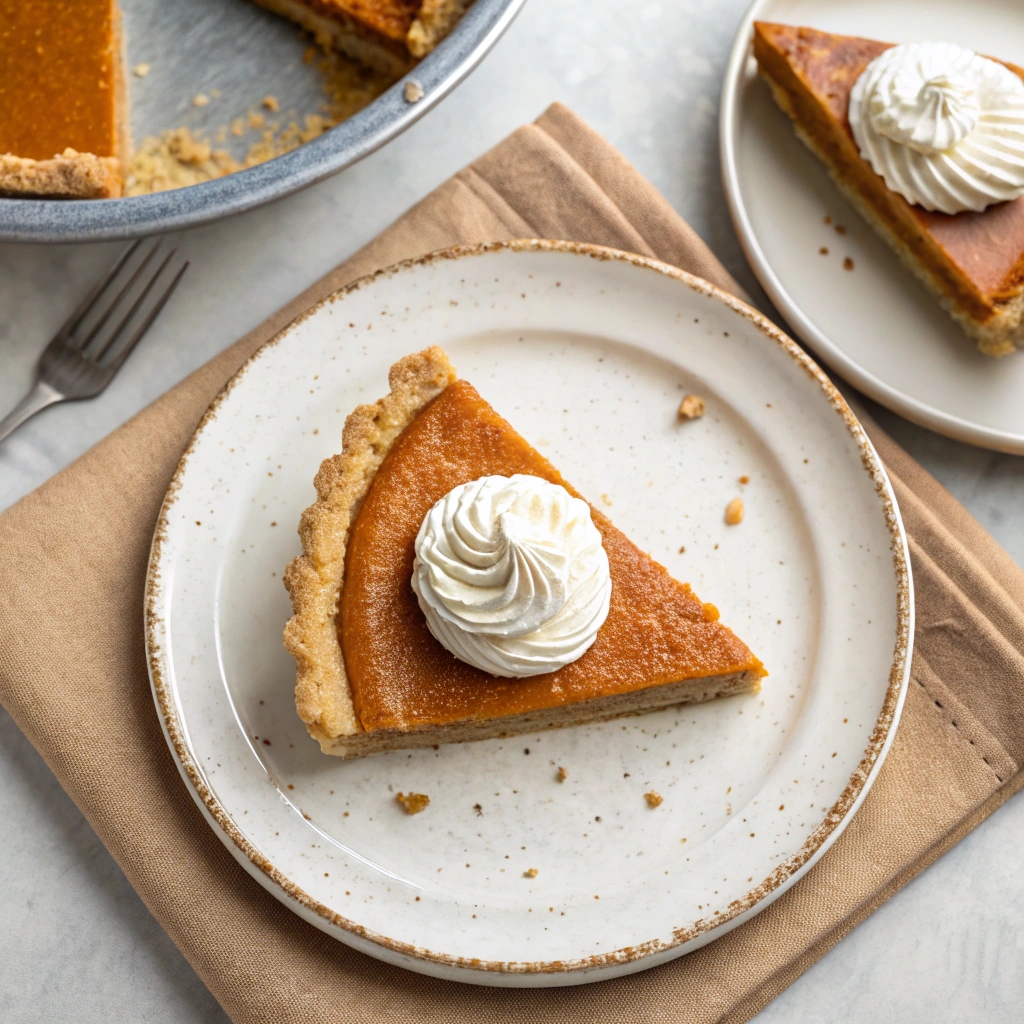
x: 38, y: 398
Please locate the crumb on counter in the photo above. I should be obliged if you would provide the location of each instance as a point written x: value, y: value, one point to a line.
x: 653, y: 799
x: 561, y: 774
x: 412, y: 802
x: 691, y: 408
x: 140, y: 70
x: 734, y: 512
x: 200, y: 100
x: 847, y: 264
x: 530, y: 873
x: 744, y: 479
x: 413, y: 92
x: 270, y: 103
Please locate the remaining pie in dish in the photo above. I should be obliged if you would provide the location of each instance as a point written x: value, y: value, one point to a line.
x: 386, y: 34
x: 370, y: 674
x: 62, y: 117
x: 63, y: 101
x: 972, y: 258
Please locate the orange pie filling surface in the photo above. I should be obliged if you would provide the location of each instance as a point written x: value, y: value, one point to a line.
x: 59, y: 78
x: 401, y: 678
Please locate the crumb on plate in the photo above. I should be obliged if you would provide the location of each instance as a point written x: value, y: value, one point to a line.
x: 734, y: 512
x: 140, y: 70
x: 413, y: 802
x: 653, y: 799
x: 530, y: 873
x: 561, y: 774
x: 413, y: 92
x: 200, y: 100
x: 691, y: 408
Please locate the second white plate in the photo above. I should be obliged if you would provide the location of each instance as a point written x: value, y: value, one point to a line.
x: 875, y: 324
x: 587, y: 353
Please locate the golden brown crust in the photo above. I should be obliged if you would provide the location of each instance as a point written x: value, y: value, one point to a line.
x: 436, y: 18
x: 314, y: 579
x: 68, y: 175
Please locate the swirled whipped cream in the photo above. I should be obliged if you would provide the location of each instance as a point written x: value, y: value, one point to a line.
x: 511, y: 575
x: 943, y: 126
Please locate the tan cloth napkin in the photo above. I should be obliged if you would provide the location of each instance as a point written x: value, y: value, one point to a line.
x: 73, y: 673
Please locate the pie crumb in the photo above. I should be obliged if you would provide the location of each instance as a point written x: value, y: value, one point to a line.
x: 691, y: 408
x: 270, y: 103
x: 847, y: 264
x: 413, y: 802
x: 734, y: 512
x: 140, y: 70
x: 562, y: 774
x: 532, y: 873
x: 200, y: 100
x: 413, y: 92
x: 653, y: 799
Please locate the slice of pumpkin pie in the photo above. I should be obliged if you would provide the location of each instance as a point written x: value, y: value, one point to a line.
x: 926, y: 140
x: 454, y: 587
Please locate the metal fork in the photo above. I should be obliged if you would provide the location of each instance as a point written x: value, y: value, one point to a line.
x: 94, y: 342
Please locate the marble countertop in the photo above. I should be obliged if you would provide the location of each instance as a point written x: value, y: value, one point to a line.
x: 76, y: 942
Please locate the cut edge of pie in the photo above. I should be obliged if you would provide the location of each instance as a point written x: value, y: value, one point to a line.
x: 385, y: 35
x: 315, y: 581
x: 994, y: 322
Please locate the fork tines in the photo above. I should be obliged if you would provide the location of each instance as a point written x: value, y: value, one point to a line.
x: 116, y: 313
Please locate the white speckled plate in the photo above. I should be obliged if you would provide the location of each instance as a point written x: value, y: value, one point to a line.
x: 587, y: 352
x: 875, y: 325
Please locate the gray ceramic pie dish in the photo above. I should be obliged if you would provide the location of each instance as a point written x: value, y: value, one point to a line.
x: 42, y: 220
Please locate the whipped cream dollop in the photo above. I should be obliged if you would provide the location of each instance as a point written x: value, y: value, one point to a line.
x: 511, y: 575
x: 943, y: 126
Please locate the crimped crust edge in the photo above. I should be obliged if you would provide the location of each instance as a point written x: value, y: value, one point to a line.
x: 315, y: 578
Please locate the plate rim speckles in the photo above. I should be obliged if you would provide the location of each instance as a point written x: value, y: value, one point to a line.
x: 555, y: 971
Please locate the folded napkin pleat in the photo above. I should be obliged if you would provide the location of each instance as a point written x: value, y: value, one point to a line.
x: 73, y: 672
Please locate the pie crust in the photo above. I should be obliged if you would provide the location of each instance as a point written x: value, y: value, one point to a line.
x: 314, y: 580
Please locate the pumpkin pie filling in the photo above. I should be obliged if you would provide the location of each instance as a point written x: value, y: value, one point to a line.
x: 974, y: 261
x: 657, y: 632
x: 61, y: 97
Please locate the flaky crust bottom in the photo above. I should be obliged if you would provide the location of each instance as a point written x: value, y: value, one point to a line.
x: 597, y: 709
x: 315, y: 578
x: 68, y: 175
